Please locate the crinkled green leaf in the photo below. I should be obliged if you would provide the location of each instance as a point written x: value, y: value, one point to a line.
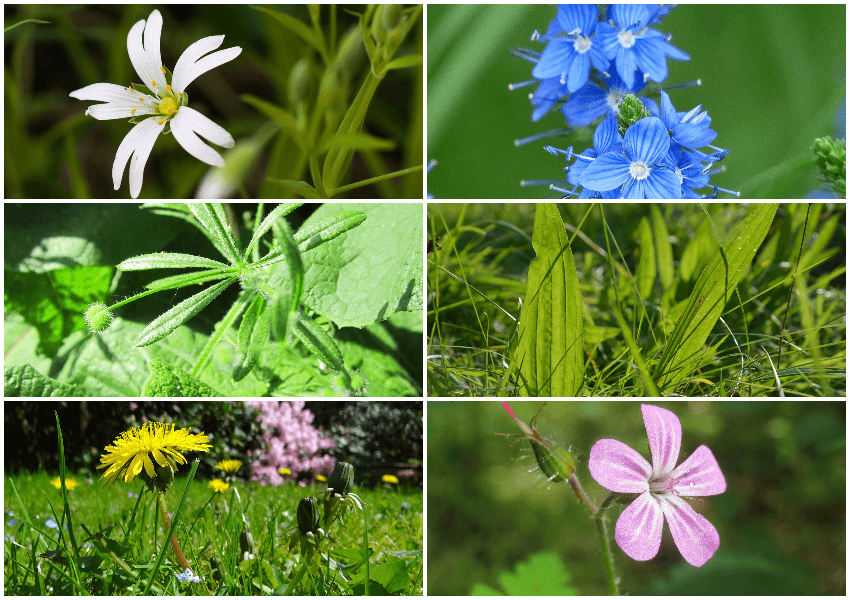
x: 713, y: 289
x: 169, y: 260
x: 167, y: 381
x: 24, y: 381
x: 549, y: 357
x: 172, y: 319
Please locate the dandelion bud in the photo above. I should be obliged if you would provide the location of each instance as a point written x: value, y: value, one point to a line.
x: 557, y: 463
x: 341, y: 478
x: 308, y: 515
x: 98, y: 318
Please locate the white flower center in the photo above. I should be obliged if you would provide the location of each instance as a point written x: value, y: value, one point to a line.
x: 627, y: 38
x: 581, y: 44
x: 639, y: 170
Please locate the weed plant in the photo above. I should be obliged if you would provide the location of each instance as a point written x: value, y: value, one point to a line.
x: 477, y: 283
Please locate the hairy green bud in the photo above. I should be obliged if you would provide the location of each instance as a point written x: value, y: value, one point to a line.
x: 98, y: 318
x: 308, y: 515
x: 831, y: 159
x: 630, y: 112
x: 557, y: 463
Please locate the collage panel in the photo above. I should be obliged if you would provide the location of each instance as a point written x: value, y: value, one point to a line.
x: 592, y: 498
x: 213, y: 498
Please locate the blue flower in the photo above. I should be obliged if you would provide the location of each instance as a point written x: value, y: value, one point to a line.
x: 188, y: 576
x: 606, y: 138
x: 52, y: 524
x: 431, y: 165
x: 570, y: 49
x: 592, y: 101
x: 641, y: 169
x: 690, y: 130
x: 627, y: 39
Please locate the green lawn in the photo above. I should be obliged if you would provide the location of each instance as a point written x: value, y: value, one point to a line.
x: 208, y: 532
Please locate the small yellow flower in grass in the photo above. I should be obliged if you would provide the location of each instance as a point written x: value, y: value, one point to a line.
x: 229, y: 466
x: 283, y: 471
x: 389, y: 479
x: 69, y: 483
x: 321, y: 478
x: 219, y: 486
x: 133, y: 450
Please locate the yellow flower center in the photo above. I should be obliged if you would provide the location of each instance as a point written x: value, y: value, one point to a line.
x: 169, y: 105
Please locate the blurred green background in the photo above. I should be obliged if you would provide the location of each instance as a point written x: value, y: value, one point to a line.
x: 781, y: 520
x: 52, y: 150
x: 773, y: 79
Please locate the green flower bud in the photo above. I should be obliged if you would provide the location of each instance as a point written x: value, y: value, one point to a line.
x: 308, y: 515
x: 98, y: 318
x: 631, y: 111
x: 557, y: 463
x: 831, y: 159
x: 341, y: 478
x: 162, y: 480
x: 246, y: 544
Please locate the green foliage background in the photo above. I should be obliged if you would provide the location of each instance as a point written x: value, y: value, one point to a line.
x: 781, y: 521
x: 773, y: 78
x: 52, y: 150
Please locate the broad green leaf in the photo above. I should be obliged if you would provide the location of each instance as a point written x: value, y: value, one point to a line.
x: 169, y: 260
x: 318, y: 342
x: 663, y: 250
x: 315, y: 234
x: 713, y: 289
x: 212, y: 217
x: 549, y: 359
x: 544, y: 574
x: 278, y: 213
x: 357, y: 141
x: 698, y: 251
x: 646, y: 266
x: 384, y: 255
x: 24, y: 381
x: 186, y: 279
x: 299, y: 187
x: 167, y: 381
x: 252, y: 336
x: 172, y: 319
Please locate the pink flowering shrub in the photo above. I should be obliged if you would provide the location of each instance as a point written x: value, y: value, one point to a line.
x: 289, y: 442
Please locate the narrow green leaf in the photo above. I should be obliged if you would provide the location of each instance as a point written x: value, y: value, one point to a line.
x: 634, y: 348
x: 663, y: 250
x: 186, y: 279
x: 646, y: 266
x: 299, y: 187
x: 298, y: 28
x: 549, y: 359
x: 253, y: 334
x: 327, y: 229
x: 357, y: 141
x: 19, y: 23
x: 287, y: 295
x: 174, y: 318
x: 278, y: 213
x: 712, y: 290
x: 318, y: 342
x: 169, y: 260
x: 287, y: 121
x: 212, y: 217
x: 403, y: 62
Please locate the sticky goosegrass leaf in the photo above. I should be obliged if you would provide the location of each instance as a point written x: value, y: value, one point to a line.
x: 327, y: 229
x: 663, y: 250
x: 181, y: 211
x: 713, y: 289
x: 186, y: 279
x: 646, y: 266
x: 253, y: 334
x: 548, y: 358
x: 174, y: 318
x: 278, y: 213
x: 169, y: 260
x: 212, y: 217
x: 318, y: 342
x: 287, y: 295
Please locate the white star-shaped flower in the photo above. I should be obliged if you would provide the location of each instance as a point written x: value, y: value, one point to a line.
x: 167, y: 103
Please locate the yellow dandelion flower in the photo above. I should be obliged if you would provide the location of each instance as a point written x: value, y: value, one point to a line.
x: 229, y: 466
x: 133, y: 450
x: 321, y: 478
x: 283, y: 471
x: 219, y: 486
x: 389, y: 479
x: 69, y: 483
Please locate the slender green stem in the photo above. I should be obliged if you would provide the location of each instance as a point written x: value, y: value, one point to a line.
x: 316, y: 173
x: 601, y: 527
x: 297, y: 578
x: 358, y: 184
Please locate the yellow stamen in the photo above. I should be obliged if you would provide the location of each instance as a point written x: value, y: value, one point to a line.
x: 162, y: 69
x: 133, y: 112
x: 168, y: 87
x: 161, y: 122
x: 153, y: 83
x: 141, y: 99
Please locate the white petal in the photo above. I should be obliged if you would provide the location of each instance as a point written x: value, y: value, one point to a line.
x: 146, y: 60
x: 119, y: 110
x: 191, y: 65
x: 109, y: 92
x: 187, y: 123
x: 137, y: 143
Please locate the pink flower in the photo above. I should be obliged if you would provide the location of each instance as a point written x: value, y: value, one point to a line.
x: 662, y: 488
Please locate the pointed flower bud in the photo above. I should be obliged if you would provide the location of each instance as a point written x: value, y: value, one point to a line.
x: 631, y: 111
x: 246, y: 544
x: 308, y: 515
x: 831, y: 159
x: 556, y: 463
x: 341, y: 478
